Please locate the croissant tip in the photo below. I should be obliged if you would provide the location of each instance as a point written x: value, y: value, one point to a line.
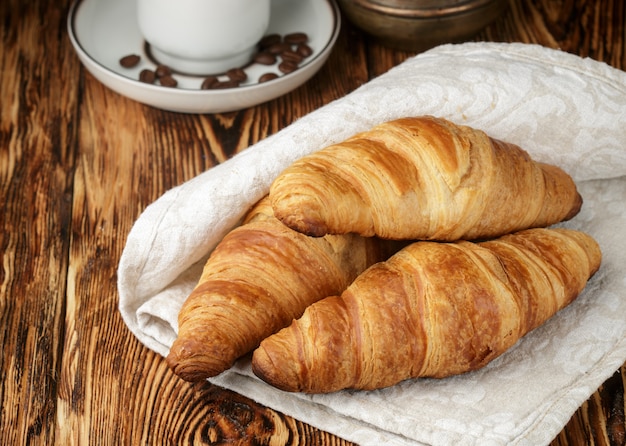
x: 265, y: 369
x: 306, y: 226
x: 576, y: 207
x: 191, y: 377
x: 188, y: 364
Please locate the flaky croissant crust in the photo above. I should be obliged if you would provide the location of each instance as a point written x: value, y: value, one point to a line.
x: 422, y: 178
x: 431, y: 310
x: 259, y: 278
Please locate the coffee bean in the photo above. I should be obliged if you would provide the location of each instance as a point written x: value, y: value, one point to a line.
x: 267, y: 77
x: 291, y: 56
x: 269, y: 40
x: 278, y: 48
x: 130, y: 61
x: 225, y: 84
x: 147, y: 76
x: 287, y: 67
x: 237, y: 74
x: 163, y: 70
x: 265, y: 58
x: 296, y: 38
x: 208, y: 82
x: 168, y: 81
x: 304, y: 50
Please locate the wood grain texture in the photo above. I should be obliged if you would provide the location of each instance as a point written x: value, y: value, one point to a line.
x: 38, y: 110
x: 78, y: 164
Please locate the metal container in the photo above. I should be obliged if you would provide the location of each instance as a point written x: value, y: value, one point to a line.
x: 416, y: 25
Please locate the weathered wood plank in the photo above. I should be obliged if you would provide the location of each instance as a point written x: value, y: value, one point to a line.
x: 37, y: 143
x: 589, y: 29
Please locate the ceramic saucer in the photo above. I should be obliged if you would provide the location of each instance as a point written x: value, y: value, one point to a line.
x: 104, y: 31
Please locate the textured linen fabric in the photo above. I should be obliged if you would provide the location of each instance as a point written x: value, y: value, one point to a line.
x: 562, y: 109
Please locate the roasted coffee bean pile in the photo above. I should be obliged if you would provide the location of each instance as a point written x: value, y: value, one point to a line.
x: 162, y: 73
x: 288, y: 51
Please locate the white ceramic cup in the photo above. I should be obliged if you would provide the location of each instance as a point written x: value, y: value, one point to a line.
x: 203, y: 36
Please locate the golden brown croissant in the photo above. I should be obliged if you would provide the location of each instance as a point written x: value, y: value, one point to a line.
x: 432, y: 310
x: 258, y: 278
x: 422, y: 178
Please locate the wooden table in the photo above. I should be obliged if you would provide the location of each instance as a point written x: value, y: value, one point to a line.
x: 78, y: 163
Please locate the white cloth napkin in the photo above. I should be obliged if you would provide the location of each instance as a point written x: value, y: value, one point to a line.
x: 561, y: 108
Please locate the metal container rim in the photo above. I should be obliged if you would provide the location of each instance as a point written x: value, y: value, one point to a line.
x: 425, y: 13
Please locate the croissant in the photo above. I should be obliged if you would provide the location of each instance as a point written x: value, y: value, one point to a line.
x: 422, y: 178
x: 432, y: 310
x: 259, y: 278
